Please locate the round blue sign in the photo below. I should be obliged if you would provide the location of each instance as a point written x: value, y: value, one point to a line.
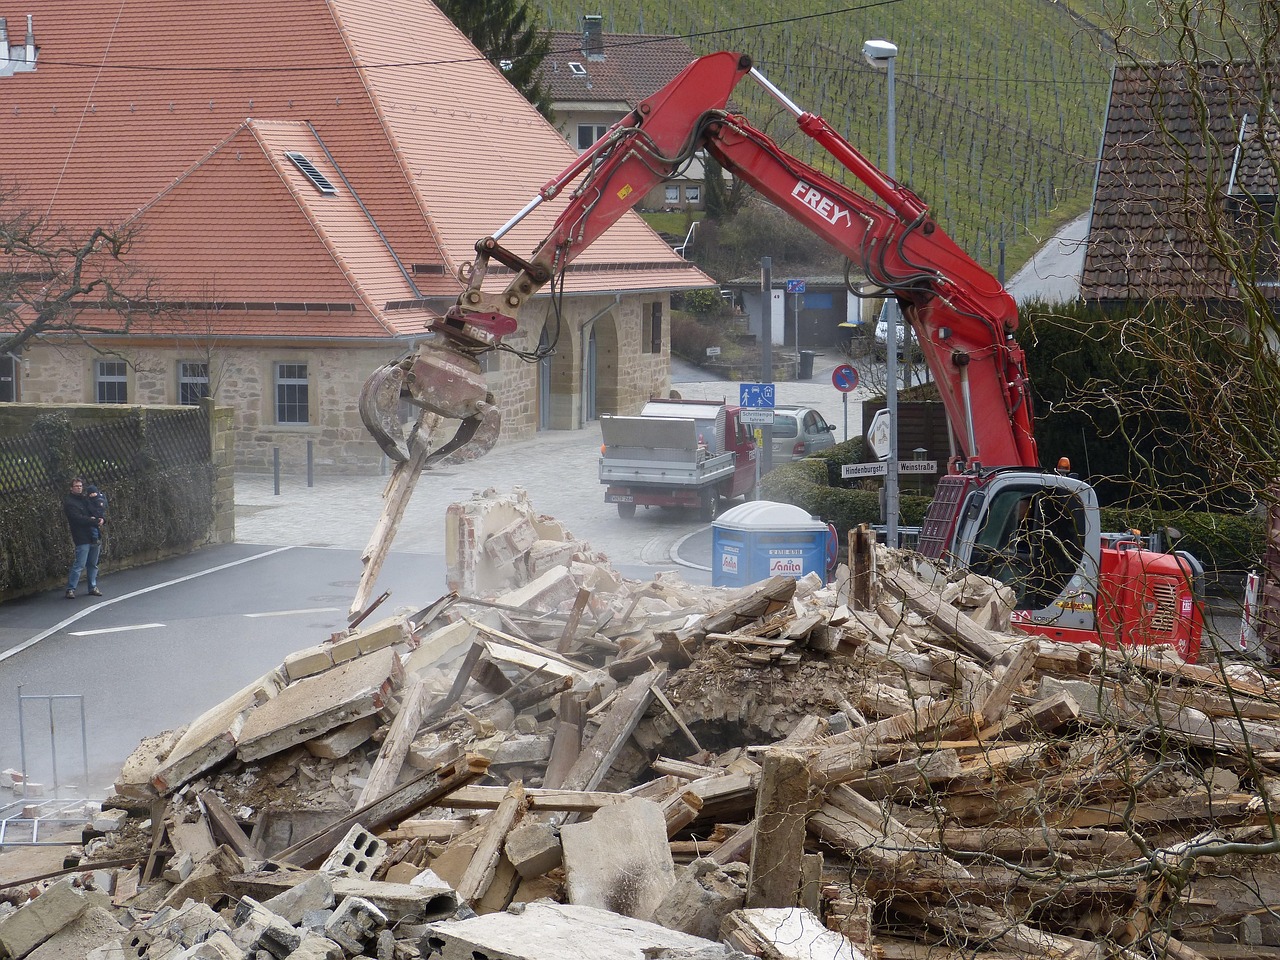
x: 844, y: 378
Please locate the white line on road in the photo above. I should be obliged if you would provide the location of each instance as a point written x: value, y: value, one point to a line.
x: 128, y: 596
x: 294, y: 613
x: 134, y: 626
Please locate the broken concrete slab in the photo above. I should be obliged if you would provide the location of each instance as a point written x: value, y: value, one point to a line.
x: 705, y: 893
x: 316, y: 705
x: 134, y: 781
x: 39, y: 919
x: 81, y: 937
x: 339, y: 742
x: 553, y: 931
x: 779, y: 933
x: 619, y: 860
x: 211, y: 738
x: 313, y: 893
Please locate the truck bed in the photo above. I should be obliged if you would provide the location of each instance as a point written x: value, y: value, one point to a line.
x: 660, y: 452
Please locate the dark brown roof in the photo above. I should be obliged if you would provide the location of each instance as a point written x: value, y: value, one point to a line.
x: 633, y: 66
x: 1164, y: 152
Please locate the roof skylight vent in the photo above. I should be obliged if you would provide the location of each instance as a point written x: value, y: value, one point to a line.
x: 318, y: 179
x: 577, y: 69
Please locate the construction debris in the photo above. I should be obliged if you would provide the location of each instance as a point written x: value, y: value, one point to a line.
x: 565, y: 764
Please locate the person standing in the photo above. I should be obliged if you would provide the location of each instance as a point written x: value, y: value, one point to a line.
x: 85, y: 531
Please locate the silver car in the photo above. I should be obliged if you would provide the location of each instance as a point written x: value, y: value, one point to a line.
x: 799, y: 431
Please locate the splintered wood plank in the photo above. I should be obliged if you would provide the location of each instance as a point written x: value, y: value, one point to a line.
x: 782, y: 803
x: 620, y: 722
x: 407, y: 799
x: 980, y: 644
x: 395, y: 748
x: 484, y: 862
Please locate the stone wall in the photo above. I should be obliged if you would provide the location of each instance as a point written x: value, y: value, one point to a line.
x: 242, y: 379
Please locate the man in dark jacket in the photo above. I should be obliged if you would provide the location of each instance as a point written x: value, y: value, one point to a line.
x: 84, y: 533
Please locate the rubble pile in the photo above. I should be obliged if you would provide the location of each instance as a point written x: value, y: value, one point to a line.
x: 584, y: 766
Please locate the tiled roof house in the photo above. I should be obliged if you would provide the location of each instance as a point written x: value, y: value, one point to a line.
x: 594, y: 79
x: 1161, y: 155
x: 305, y: 178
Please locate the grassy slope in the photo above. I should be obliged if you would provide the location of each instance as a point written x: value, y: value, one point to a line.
x: 1000, y: 102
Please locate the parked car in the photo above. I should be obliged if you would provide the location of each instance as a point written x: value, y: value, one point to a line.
x: 799, y: 431
x: 880, y: 341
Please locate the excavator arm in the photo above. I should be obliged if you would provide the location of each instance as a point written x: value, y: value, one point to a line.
x: 961, y: 315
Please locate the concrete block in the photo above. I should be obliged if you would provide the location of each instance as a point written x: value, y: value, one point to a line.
x: 259, y: 928
x: 358, y: 855
x: 545, y: 593
x: 78, y: 938
x: 211, y: 738
x: 187, y: 925
x: 140, y: 767
x: 533, y: 849
x: 355, y: 924
x: 219, y: 946
x: 517, y: 749
x: 337, y: 743
x: 620, y: 859
x: 546, y: 554
x: 383, y: 634
x: 314, y: 893
x: 316, y: 947
x: 790, y: 933
x: 439, y: 647
x: 179, y: 868
x: 344, y: 649
x: 109, y: 821
x: 39, y: 919
x: 511, y: 542
x: 316, y: 705
x: 307, y: 662
x: 553, y: 931
x: 705, y: 893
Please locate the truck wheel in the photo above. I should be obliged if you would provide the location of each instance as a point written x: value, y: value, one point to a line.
x: 708, y: 508
x: 626, y: 510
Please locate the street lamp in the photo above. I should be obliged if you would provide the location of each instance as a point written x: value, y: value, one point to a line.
x: 881, y: 54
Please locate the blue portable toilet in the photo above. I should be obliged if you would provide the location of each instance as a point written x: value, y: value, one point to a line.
x: 761, y: 539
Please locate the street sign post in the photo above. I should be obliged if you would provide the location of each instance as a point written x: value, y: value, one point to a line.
x: 852, y: 471
x: 845, y: 379
x: 795, y: 286
x: 756, y: 416
x: 759, y: 395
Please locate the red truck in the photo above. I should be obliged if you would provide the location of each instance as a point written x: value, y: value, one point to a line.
x: 677, y: 453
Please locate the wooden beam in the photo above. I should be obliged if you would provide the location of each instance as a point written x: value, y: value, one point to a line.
x: 391, y: 756
x: 484, y: 862
x: 598, y: 755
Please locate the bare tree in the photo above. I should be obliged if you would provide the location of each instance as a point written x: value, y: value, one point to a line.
x: 1185, y: 239
x: 55, y: 280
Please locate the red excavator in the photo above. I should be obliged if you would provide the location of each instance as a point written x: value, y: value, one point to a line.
x: 997, y: 512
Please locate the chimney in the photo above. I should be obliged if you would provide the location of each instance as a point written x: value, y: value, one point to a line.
x: 4, y: 43
x: 593, y: 36
x: 31, y: 45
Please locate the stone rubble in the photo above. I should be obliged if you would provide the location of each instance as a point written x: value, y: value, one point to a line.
x: 553, y: 762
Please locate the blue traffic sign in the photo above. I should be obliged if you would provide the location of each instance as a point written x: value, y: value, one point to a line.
x: 844, y: 378
x: 795, y: 286
x: 760, y: 395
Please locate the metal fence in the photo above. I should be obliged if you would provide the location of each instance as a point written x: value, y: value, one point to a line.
x: 103, y: 452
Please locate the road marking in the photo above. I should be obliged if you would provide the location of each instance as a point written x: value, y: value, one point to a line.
x: 295, y: 613
x: 135, y: 626
x: 128, y: 596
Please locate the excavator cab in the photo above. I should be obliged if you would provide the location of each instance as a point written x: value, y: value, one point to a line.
x: 1037, y: 533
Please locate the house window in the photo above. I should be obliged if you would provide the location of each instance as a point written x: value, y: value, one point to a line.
x: 652, y: 333
x: 672, y: 194
x: 589, y: 133
x: 292, y: 393
x: 110, y: 381
x: 693, y: 193
x: 193, y: 382
x: 8, y: 378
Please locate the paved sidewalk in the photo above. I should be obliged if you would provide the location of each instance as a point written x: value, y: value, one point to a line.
x: 558, y: 468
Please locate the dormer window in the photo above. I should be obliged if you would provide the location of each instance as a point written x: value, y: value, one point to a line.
x: 577, y: 69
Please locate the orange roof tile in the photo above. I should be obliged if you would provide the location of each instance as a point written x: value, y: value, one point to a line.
x: 177, y: 116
